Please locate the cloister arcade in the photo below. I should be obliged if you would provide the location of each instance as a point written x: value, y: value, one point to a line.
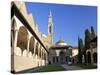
x: 25, y: 47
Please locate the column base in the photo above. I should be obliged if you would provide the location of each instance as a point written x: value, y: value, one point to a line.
x: 13, y: 72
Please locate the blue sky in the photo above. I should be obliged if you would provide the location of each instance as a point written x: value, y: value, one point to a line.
x: 69, y: 21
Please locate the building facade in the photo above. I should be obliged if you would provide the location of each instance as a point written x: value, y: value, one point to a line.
x: 91, y: 53
x: 29, y: 47
x: 60, y: 53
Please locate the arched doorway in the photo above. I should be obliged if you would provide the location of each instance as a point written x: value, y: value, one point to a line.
x: 22, y: 38
x: 88, y: 57
x: 62, y: 57
x: 95, y: 57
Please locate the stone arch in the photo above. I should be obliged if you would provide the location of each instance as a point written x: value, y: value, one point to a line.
x: 95, y: 57
x: 88, y: 57
x: 62, y: 57
x: 31, y: 45
x: 22, y: 38
x: 36, y: 51
x: 40, y: 51
x: 61, y: 53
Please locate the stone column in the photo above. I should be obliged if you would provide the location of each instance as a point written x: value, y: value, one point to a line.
x: 34, y: 48
x: 38, y: 51
x: 91, y: 56
x: 43, y: 57
x: 12, y: 41
x: 15, y: 39
x: 67, y: 59
x: 39, y: 59
x: 12, y: 51
x: 41, y: 53
x: 55, y: 60
x: 28, y: 46
x: 14, y: 46
x: 83, y: 59
x: 46, y: 59
x: 58, y: 59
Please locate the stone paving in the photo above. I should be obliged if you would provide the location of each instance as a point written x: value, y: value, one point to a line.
x: 33, y: 70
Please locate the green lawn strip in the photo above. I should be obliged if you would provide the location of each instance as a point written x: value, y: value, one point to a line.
x: 53, y: 67
x: 86, y: 66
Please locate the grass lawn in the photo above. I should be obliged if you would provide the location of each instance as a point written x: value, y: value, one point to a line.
x: 86, y: 66
x: 53, y: 67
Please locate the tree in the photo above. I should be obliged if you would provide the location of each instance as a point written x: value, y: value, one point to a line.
x: 87, y: 42
x: 80, y: 48
x: 92, y: 33
x: 87, y: 39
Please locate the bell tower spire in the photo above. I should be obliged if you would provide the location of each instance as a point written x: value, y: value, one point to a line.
x: 50, y: 27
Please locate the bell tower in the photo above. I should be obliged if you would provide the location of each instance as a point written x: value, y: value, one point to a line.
x: 50, y: 28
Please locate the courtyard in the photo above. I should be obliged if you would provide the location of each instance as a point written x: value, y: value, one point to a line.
x: 59, y: 67
x: 33, y: 50
x: 65, y: 67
